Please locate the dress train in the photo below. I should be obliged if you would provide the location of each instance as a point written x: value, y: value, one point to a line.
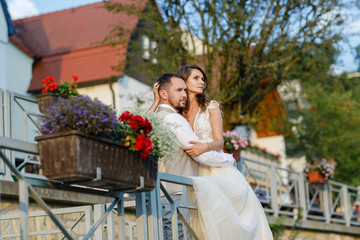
x: 228, y: 208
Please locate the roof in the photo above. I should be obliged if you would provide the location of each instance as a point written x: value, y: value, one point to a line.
x: 11, y: 29
x: 66, y: 42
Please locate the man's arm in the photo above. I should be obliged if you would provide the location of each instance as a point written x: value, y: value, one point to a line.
x: 184, y: 134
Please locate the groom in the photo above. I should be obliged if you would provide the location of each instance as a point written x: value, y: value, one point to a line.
x: 173, y: 95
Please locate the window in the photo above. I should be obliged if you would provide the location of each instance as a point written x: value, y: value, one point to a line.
x: 148, y: 47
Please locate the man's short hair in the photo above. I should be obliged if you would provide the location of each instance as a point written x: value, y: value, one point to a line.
x: 165, y: 80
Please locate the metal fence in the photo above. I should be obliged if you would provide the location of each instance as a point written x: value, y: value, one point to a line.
x: 283, y: 192
x: 19, y: 120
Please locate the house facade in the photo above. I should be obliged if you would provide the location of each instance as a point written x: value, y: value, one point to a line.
x: 15, y: 62
x: 68, y: 42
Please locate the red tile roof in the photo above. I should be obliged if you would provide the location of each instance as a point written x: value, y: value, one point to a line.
x: 65, y: 42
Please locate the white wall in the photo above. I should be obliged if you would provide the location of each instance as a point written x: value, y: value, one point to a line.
x: 131, y: 92
x: 275, y: 145
x: 3, y: 43
x: 19, y: 70
x: 127, y: 91
x: 296, y: 164
x: 15, y: 65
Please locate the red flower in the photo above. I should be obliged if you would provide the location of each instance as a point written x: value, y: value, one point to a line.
x: 139, y: 142
x: 44, y: 91
x: 134, y: 125
x: 75, y: 77
x: 144, y: 154
x: 142, y: 127
x: 144, y: 145
x: 126, y: 116
x: 52, y: 86
x: 138, y: 118
x: 47, y: 80
x: 146, y: 126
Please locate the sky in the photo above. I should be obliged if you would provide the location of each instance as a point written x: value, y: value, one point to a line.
x: 346, y: 62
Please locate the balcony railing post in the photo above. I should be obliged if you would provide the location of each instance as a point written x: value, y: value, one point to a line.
x: 24, y: 209
x: 174, y: 220
x: 346, y: 205
x: 121, y: 214
x: 110, y: 225
x: 325, y: 201
x: 152, y: 217
x: 99, y: 210
x: 7, y: 130
x: 240, y: 165
x: 159, y: 209
x: 302, y: 195
x: 273, y: 190
x: 141, y: 216
x: 88, y: 218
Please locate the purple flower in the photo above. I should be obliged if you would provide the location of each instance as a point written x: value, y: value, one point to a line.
x: 80, y: 113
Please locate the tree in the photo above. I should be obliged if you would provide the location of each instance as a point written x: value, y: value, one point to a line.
x: 246, y: 46
x: 329, y: 129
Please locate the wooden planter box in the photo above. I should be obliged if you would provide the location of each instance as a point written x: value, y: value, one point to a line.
x: 45, y: 101
x: 316, y: 177
x: 75, y: 158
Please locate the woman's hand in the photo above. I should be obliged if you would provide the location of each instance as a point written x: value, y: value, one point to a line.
x: 156, y: 98
x: 196, y: 149
x: 156, y: 92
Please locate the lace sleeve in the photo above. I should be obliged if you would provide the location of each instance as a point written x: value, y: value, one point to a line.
x: 213, y: 105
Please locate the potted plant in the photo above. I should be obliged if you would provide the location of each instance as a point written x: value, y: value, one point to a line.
x: 233, y: 144
x: 320, y: 172
x: 83, y: 142
x: 146, y: 133
x: 53, y: 91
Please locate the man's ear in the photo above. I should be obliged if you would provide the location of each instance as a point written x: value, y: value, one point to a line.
x: 163, y: 94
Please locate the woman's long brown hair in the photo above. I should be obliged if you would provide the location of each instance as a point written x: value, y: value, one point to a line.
x: 202, y: 99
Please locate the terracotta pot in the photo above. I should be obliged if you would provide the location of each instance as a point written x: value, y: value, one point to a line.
x: 316, y: 177
x: 45, y: 101
x: 73, y: 157
x: 236, y: 154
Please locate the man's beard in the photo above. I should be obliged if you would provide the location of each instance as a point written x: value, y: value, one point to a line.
x: 178, y: 106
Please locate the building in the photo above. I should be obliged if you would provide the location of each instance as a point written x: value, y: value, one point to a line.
x: 15, y: 61
x: 66, y: 43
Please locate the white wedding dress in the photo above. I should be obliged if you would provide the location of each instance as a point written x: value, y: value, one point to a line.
x: 227, y: 206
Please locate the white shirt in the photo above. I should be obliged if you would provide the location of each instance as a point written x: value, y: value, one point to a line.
x: 184, y: 133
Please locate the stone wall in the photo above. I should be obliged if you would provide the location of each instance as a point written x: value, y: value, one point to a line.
x: 312, y: 235
x: 316, y: 230
x: 79, y: 203
x: 75, y: 207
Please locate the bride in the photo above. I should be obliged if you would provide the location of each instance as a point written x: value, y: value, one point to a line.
x: 227, y: 206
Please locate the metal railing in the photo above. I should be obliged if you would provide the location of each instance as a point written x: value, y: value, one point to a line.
x: 19, y: 120
x: 333, y: 202
x: 83, y: 214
